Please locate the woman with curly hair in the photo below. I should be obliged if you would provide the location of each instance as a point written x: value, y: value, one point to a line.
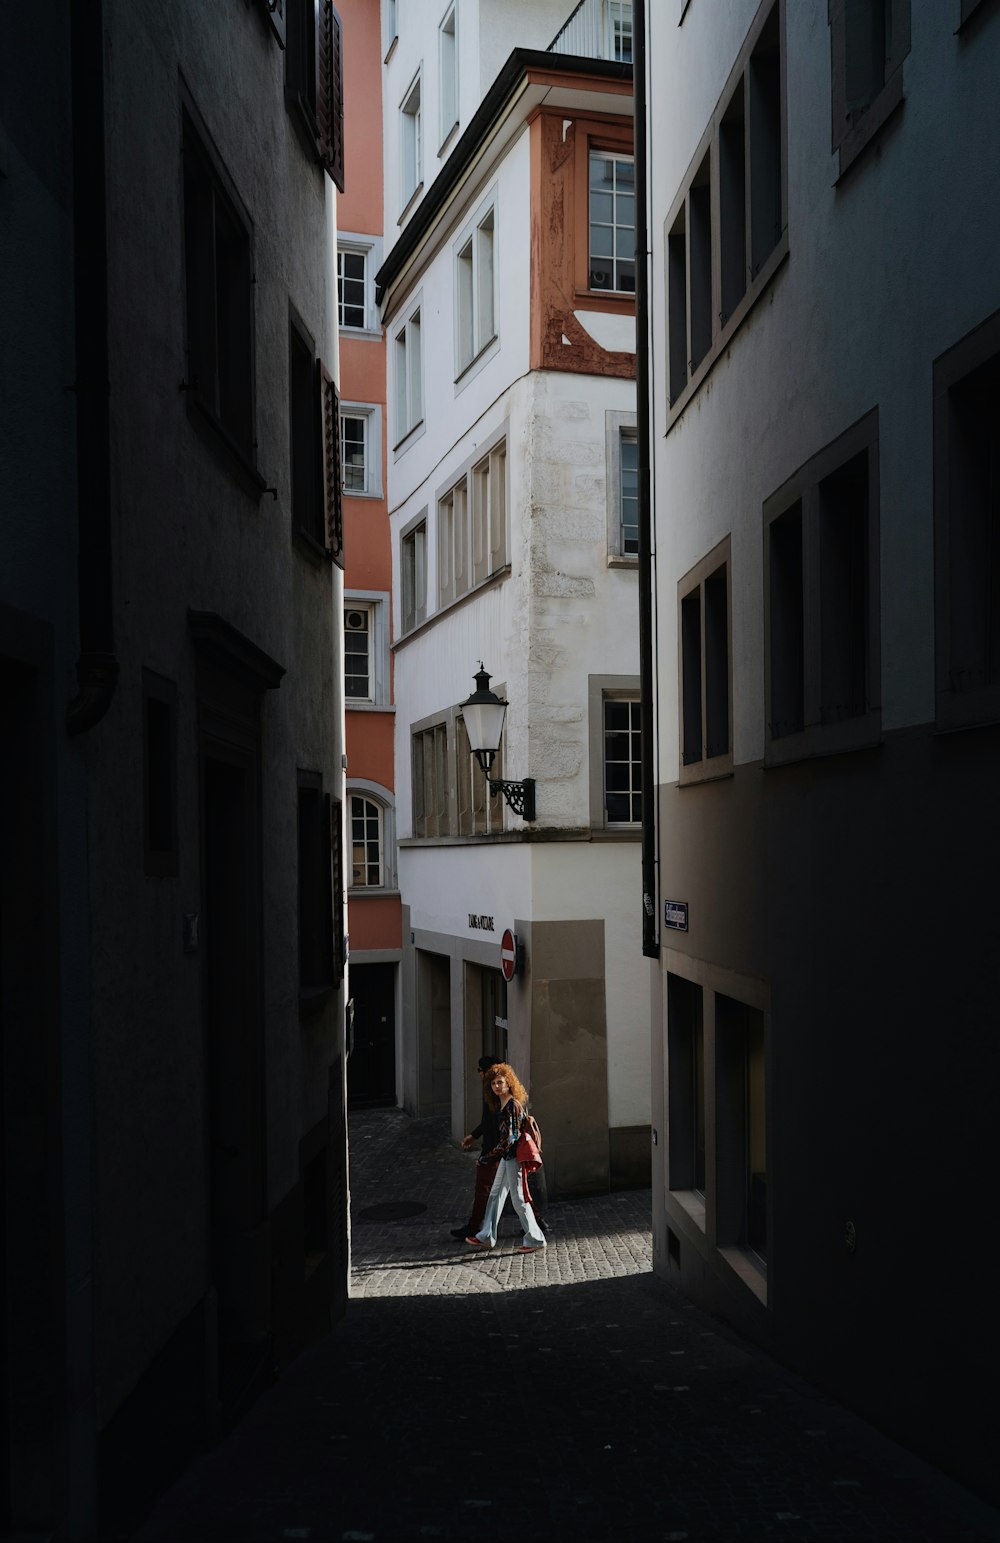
x: 506, y: 1094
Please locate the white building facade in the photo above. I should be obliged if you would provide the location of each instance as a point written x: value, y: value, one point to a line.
x: 825, y: 326
x: 511, y: 488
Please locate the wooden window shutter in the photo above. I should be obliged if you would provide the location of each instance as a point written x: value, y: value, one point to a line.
x: 336, y: 167
x: 337, y: 881
x: 330, y: 90
x: 332, y: 490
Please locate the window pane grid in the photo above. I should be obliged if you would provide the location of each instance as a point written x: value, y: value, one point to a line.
x: 357, y: 653
x: 366, y: 843
x: 352, y: 452
x: 622, y: 762
x: 351, y: 289
x: 629, y: 494
x: 612, y: 222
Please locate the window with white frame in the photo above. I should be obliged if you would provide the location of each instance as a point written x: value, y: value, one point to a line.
x: 353, y: 447
x: 475, y: 286
x: 628, y: 493
x: 367, y: 860
x: 408, y: 363
x: 622, y: 762
x: 472, y: 525
x: 366, y: 648
x: 361, y: 449
x: 623, y: 486
x: 612, y: 222
x: 410, y: 145
x: 615, y: 752
x: 352, y: 288
x: 620, y: 30
x: 359, y: 675
x: 413, y: 574
x: 391, y: 27
x: 448, y: 70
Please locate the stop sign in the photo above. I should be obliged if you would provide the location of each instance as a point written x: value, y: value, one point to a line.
x: 508, y: 955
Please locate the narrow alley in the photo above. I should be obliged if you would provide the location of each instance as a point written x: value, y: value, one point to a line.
x: 566, y: 1394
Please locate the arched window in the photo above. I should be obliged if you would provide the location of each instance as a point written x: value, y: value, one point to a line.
x: 367, y: 853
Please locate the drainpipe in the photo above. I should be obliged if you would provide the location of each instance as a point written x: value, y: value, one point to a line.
x: 650, y: 936
x: 97, y: 665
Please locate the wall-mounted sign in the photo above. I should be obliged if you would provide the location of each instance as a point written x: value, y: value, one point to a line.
x: 481, y: 923
x: 508, y: 955
x: 675, y: 915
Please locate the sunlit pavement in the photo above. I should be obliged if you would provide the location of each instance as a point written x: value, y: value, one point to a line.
x: 562, y: 1394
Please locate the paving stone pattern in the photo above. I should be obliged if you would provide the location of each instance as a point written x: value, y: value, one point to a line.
x: 566, y: 1394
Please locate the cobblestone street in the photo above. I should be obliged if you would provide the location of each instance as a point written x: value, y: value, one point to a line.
x: 566, y: 1394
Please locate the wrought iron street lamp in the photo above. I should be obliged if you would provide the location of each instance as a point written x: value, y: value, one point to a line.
x: 484, y: 714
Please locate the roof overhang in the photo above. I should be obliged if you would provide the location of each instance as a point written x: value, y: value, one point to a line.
x: 529, y: 80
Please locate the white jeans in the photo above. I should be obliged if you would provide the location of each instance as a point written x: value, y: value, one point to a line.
x: 508, y: 1182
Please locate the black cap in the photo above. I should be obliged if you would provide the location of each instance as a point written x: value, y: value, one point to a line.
x: 486, y: 1061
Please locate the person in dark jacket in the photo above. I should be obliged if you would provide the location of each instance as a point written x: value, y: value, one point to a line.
x: 507, y: 1095
x: 488, y: 1132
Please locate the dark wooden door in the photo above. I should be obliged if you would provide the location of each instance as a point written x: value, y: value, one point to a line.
x: 371, y: 1069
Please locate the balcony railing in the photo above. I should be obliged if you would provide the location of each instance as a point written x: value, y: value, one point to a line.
x: 597, y: 29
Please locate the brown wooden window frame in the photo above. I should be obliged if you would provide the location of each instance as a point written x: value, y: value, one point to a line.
x: 314, y: 81
x: 315, y: 481
x: 596, y: 135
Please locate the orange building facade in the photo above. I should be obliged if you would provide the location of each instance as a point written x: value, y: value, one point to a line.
x: 373, y: 902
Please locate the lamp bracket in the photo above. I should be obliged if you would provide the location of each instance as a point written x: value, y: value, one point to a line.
x: 520, y: 796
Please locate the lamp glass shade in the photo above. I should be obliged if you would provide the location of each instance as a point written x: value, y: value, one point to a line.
x: 484, y: 723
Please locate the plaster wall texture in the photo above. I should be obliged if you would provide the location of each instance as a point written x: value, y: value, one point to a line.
x: 186, y: 534
x: 487, y: 31
x: 507, y: 24
x: 454, y: 407
x: 582, y: 613
x: 359, y: 206
x: 873, y: 290
x: 577, y: 881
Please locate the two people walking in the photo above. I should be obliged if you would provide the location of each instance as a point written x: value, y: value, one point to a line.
x: 506, y: 1099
